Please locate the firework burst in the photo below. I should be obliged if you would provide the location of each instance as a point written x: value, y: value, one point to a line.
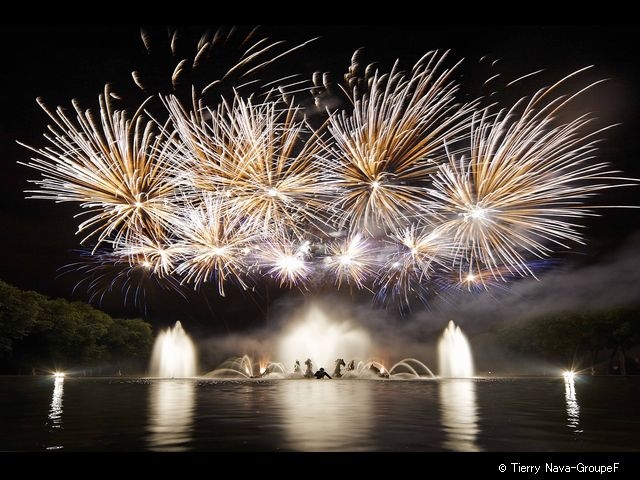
x: 522, y: 188
x: 114, y: 167
x: 213, y: 244
x: 257, y: 157
x: 286, y: 260
x: 156, y: 255
x: 423, y: 195
x: 352, y: 261
x: 414, y: 254
x: 387, y: 146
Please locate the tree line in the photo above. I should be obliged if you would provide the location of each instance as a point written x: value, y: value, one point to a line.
x: 39, y: 334
x: 596, y: 341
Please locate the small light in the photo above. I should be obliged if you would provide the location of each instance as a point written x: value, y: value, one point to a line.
x: 58, y: 375
x: 569, y: 375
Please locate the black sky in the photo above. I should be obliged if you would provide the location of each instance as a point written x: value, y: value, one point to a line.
x: 59, y: 63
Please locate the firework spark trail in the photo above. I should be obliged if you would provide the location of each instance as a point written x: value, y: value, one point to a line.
x: 415, y: 254
x: 352, y: 261
x: 106, y: 271
x: 115, y: 168
x: 387, y: 146
x: 222, y: 60
x: 405, y: 194
x: 285, y: 259
x: 214, y: 243
x: 256, y: 156
x: 521, y: 189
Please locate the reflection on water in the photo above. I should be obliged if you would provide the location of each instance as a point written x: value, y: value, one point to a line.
x: 459, y: 413
x: 55, y: 410
x: 171, y: 405
x: 54, y: 421
x: 509, y: 414
x: 321, y: 415
x: 573, y: 409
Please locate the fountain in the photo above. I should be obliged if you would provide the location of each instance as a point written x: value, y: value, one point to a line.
x: 323, y: 339
x: 245, y: 367
x: 410, y: 368
x: 317, y: 339
x: 174, y: 354
x: 454, y: 353
x: 405, y: 369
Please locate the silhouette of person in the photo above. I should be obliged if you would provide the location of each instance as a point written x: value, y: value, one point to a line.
x: 320, y: 374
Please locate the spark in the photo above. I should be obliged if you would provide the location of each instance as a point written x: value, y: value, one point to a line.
x: 285, y: 261
x: 520, y: 191
x: 256, y: 155
x: 116, y: 168
x: 405, y: 193
x: 212, y: 244
x: 381, y: 149
x: 352, y: 261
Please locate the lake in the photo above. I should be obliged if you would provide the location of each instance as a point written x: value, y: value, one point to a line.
x: 483, y: 414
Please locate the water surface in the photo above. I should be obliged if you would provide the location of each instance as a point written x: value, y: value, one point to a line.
x: 512, y: 414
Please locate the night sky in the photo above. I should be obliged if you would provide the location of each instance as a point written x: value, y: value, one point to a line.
x: 62, y: 63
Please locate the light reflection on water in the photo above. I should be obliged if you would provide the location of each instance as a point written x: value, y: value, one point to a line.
x: 54, y: 421
x: 459, y: 413
x: 321, y: 415
x: 515, y: 414
x: 171, y: 409
x: 573, y: 409
x: 55, y: 410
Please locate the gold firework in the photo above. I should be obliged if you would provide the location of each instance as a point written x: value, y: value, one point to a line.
x: 213, y: 244
x: 386, y: 146
x: 256, y: 157
x: 115, y: 167
x: 522, y: 187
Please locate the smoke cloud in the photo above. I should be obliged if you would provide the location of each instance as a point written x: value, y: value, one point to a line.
x: 387, y: 337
